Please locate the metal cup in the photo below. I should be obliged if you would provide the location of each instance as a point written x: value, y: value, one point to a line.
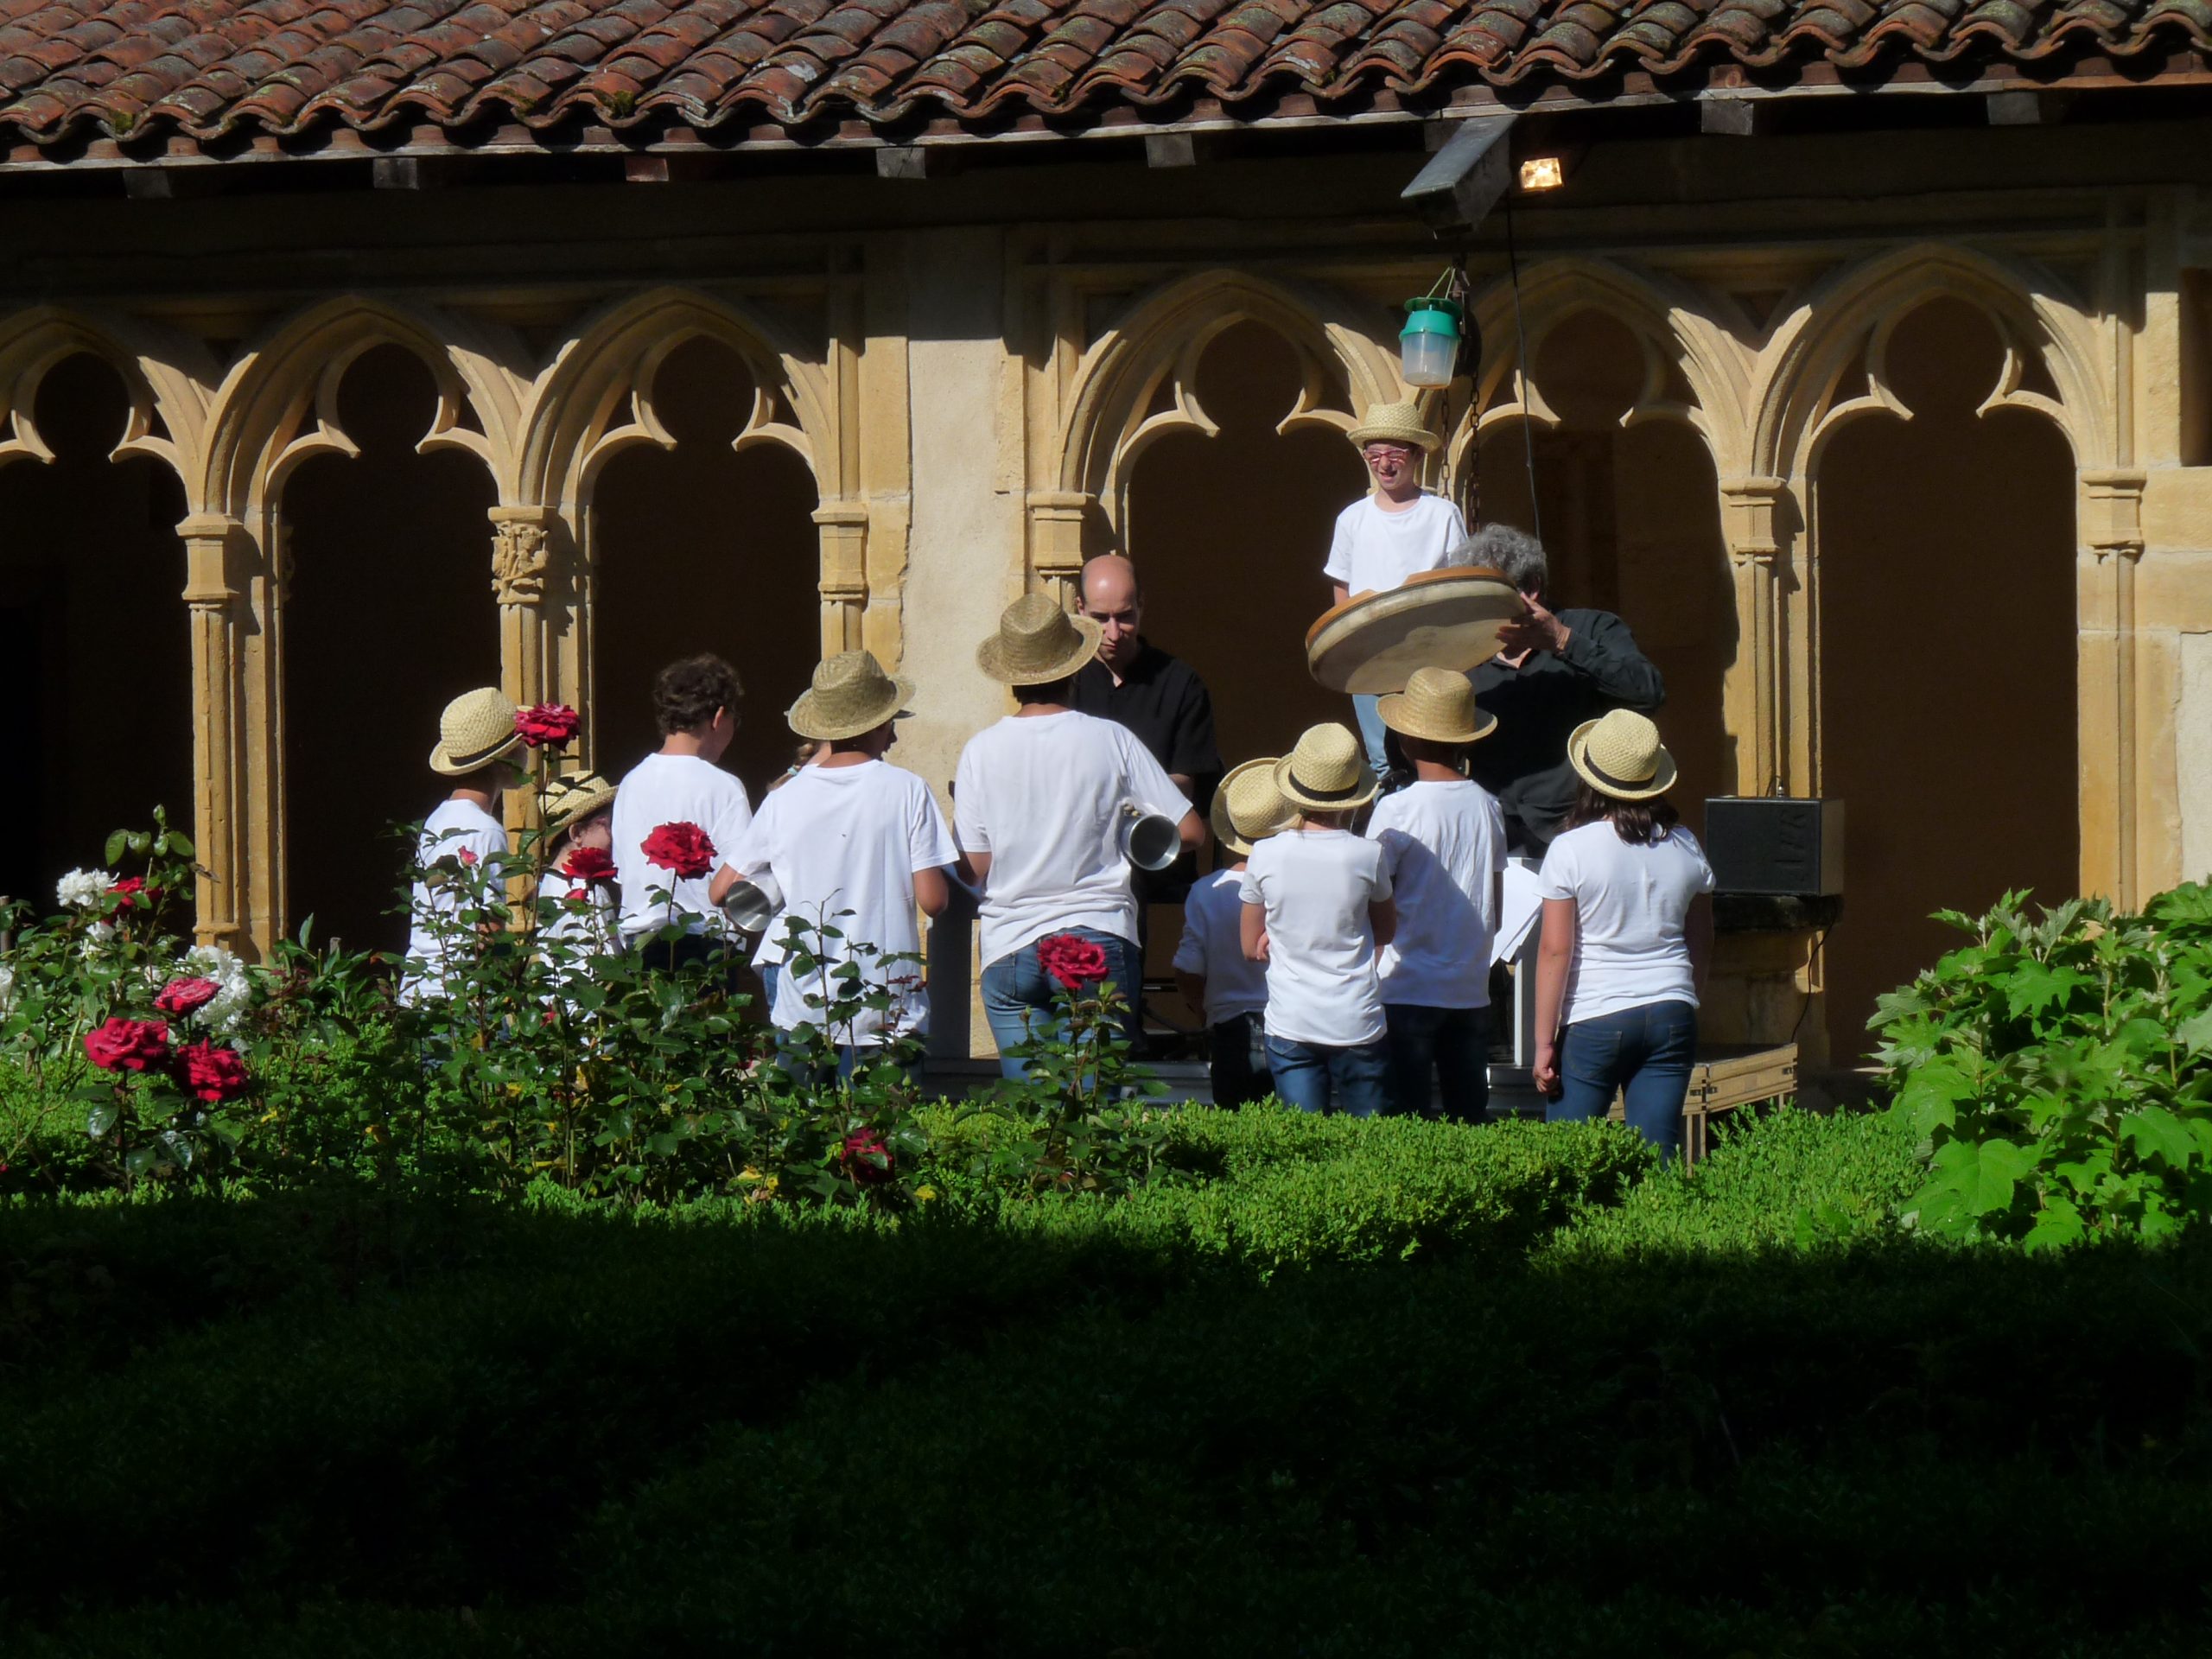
x: 751, y: 906
x: 1149, y: 841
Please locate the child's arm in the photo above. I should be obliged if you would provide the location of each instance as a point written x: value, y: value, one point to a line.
x: 1562, y: 922
x: 1252, y: 933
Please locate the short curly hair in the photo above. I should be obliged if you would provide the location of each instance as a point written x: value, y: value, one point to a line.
x: 1514, y: 554
x: 687, y: 693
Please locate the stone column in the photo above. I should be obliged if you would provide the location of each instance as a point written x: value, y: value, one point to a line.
x: 237, y: 896
x: 1755, y: 515
x: 1056, y: 520
x: 522, y: 570
x: 843, y: 527
x: 2111, y: 536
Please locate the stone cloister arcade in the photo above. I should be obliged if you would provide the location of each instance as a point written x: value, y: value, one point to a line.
x: 1766, y: 461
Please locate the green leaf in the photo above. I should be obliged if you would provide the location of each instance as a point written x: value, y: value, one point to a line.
x: 2195, y: 1034
x: 2058, y: 1225
x: 1983, y: 1176
x: 2155, y: 1131
x: 116, y: 843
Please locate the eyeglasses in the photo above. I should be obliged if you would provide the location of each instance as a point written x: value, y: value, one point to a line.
x: 1387, y: 451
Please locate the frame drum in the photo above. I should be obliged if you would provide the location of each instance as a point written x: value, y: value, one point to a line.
x: 1440, y: 618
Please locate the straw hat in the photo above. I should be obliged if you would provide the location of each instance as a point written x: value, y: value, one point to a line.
x: 477, y: 729
x: 1620, y: 755
x: 1394, y: 423
x: 1439, y: 705
x: 573, y: 797
x: 851, y: 694
x: 1036, y: 643
x: 1326, y: 773
x: 1247, y: 807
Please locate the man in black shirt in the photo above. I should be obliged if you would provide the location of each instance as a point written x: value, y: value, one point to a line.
x: 1137, y: 685
x: 1553, y: 671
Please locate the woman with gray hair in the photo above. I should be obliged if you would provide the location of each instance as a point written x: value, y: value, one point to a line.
x: 1554, y: 670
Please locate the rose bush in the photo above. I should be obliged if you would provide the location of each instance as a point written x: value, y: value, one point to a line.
x: 120, y: 1044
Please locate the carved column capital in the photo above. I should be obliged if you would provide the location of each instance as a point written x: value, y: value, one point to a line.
x: 1056, y: 523
x: 214, y: 550
x: 2112, y: 512
x: 843, y: 527
x: 1753, y: 518
x: 522, y: 553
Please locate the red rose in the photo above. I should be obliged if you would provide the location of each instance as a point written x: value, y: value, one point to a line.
x: 130, y: 890
x: 129, y: 1046
x: 468, y: 856
x: 212, y: 1073
x: 182, y: 996
x: 547, y: 722
x: 682, y: 848
x: 1073, y: 961
x: 588, y: 864
x: 866, y: 1159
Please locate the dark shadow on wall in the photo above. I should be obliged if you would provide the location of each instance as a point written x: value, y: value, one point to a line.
x: 1230, y: 533
x: 95, y: 642
x: 1949, y: 704
x: 702, y: 547
x: 388, y: 615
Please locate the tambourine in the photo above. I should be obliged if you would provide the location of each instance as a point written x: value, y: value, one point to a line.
x: 1440, y: 618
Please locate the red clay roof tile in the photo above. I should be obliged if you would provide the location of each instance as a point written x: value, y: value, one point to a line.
x: 283, y: 66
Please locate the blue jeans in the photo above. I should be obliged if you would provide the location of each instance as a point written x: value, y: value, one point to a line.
x: 1239, y: 1078
x: 1644, y: 1052
x: 1018, y: 993
x: 1452, y: 1045
x: 1306, y: 1072
x: 1371, y: 730
x: 768, y: 972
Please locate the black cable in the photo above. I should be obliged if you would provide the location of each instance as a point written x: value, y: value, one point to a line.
x: 1527, y: 373
x: 1819, y: 946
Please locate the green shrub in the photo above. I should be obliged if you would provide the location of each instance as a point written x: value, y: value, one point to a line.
x: 1784, y: 1179
x: 2056, y: 1072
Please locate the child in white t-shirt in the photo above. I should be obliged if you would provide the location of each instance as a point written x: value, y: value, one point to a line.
x: 1628, y: 931
x: 1397, y: 531
x: 585, y: 919
x: 477, y: 743
x: 854, y: 845
x: 1317, y: 907
x: 1210, y: 967
x: 1038, y: 803
x: 1444, y: 838
x: 695, y: 702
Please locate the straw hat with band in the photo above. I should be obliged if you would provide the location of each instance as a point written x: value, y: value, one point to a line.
x: 572, y: 797
x: 476, y: 729
x: 1395, y: 423
x: 1326, y: 773
x: 1247, y: 807
x: 851, y: 694
x: 1620, y: 754
x: 1036, y: 643
x: 1437, y: 705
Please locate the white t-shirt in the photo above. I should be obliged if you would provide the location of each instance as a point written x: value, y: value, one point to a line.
x: 1375, y: 550
x: 1630, y: 901
x: 1212, y: 947
x: 456, y: 828
x: 1315, y: 885
x: 849, y: 838
x: 1445, y: 845
x: 1042, y: 794
x: 673, y: 788
x: 587, y: 920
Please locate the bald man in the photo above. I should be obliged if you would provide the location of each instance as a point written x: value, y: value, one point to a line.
x: 1158, y: 698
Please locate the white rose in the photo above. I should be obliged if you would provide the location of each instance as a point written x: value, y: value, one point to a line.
x: 80, y: 890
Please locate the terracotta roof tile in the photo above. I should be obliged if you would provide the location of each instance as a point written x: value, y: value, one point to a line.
x: 207, y: 66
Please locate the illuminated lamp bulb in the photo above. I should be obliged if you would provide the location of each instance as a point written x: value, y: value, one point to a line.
x: 1543, y: 173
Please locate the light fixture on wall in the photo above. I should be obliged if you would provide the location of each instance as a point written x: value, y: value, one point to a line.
x: 1543, y: 173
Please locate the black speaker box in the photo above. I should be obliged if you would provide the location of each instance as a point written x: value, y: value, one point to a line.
x: 1775, y: 844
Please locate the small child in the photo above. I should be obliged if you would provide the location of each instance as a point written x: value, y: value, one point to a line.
x: 1210, y: 967
x: 579, y: 809
x: 1317, y: 905
x: 477, y: 741
x: 1444, y: 838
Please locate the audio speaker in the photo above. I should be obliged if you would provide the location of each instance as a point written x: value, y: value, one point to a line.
x: 1775, y: 844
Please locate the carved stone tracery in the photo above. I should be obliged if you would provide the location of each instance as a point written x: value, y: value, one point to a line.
x: 520, y: 555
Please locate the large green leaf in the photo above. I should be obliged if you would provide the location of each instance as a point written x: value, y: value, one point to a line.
x: 1983, y: 1175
